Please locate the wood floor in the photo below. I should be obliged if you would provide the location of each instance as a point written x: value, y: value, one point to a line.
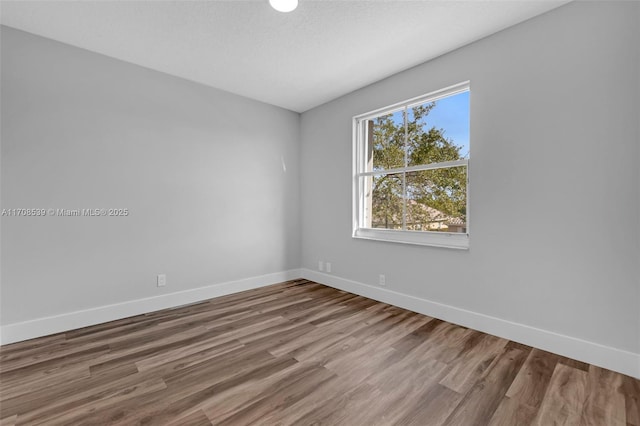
x: 300, y: 353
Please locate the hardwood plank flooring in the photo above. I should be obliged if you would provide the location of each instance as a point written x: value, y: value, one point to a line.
x: 300, y: 353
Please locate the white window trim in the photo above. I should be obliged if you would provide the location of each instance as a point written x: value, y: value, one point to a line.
x: 427, y: 238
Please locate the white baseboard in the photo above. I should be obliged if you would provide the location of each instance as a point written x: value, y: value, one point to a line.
x: 593, y: 353
x: 39, y: 327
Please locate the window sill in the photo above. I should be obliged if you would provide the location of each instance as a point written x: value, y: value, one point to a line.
x: 435, y: 239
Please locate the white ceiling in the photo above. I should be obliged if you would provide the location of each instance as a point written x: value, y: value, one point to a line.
x: 322, y: 50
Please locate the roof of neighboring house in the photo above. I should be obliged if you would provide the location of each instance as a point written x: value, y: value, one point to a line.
x: 455, y: 221
x: 436, y: 215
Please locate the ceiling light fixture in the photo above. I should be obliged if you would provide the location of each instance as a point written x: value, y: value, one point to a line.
x: 284, y: 5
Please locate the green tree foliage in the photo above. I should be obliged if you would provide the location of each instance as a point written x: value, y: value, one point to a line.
x: 432, y: 196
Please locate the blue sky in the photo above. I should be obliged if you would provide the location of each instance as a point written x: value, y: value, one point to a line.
x: 452, y: 115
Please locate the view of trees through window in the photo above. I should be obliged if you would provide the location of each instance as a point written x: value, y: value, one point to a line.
x: 434, y: 197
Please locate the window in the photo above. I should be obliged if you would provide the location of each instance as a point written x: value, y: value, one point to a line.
x: 411, y: 170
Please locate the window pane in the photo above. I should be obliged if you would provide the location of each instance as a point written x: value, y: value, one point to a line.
x: 438, y: 131
x: 385, y: 142
x: 383, y: 201
x: 437, y: 200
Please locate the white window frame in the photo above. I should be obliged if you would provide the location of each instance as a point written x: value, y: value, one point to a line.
x: 429, y: 238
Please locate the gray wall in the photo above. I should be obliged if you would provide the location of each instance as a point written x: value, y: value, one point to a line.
x: 554, y: 207
x: 200, y: 170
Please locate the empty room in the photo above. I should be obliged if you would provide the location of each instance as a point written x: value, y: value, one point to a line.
x: 320, y: 212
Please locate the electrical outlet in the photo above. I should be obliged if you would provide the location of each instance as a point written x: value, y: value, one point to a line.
x: 320, y: 265
x: 162, y: 280
x: 328, y: 266
x: 383, y: 280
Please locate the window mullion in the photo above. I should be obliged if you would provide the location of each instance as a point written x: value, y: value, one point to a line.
x: 361, y: 167
x: 404, y: 174
x: 429, y: 166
